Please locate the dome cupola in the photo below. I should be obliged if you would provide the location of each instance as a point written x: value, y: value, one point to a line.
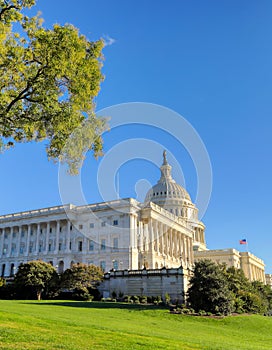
x: 167, y: 193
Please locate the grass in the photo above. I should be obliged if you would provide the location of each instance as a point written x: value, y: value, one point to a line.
x: 52, y: 325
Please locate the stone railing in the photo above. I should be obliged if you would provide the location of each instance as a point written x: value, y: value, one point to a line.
x: 109, y: 204
x: 37, y: 212
x: 167, y: 214
x: 143, y: 273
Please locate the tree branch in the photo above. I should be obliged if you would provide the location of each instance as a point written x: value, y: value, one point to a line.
x: 25, y: 93
x: 8, y: 8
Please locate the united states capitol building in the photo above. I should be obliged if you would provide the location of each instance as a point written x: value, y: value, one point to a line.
x: 163, y: 233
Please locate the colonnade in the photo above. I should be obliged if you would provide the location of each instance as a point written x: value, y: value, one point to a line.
x: 199, y: 235
x: 160, y: 242
x: 35, y: 238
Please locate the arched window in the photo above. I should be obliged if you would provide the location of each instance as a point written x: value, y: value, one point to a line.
x: 61, y: 266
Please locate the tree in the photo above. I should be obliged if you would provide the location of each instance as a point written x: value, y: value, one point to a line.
x: 208, y: 289
x: 82, y: 279
x: 49, y: 79
x: 35, y: 274
x: 248, y: 296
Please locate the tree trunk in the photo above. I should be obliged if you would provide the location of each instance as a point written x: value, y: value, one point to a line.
x: 39, y: 294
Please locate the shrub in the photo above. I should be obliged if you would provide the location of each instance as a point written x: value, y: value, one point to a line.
x: 143, y: 299
x: 167, y: 298
x: 127, y: 298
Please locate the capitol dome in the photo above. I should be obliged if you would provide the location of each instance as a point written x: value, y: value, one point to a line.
x: 170, y: 195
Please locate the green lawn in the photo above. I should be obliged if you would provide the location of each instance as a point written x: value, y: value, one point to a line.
x: 81, y: 326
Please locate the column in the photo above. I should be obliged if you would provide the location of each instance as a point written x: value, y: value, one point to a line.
x: 155, y: 232
x: 84, y: 245
x: 140, y: 236
x: 191, y: 250
x: 10, y: 241
x: 188, y: 251
x: 132, y: 231
x: 28, y: 240
x: 180, y: 248
x: 166, y: 241
x: 47, y: 238
x: 151, y: 235
x: 185, y: 254
x: 2, y: 241
x: 68, y: 237
x: 19, y: 241
x: 57, y: 237
x: 175, y: 244
x: 171, y: 242
x: 162, y: 238
x: 38, y: 238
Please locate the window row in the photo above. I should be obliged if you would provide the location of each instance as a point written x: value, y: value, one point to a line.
x: 103, y: 224
x: 93, y: 246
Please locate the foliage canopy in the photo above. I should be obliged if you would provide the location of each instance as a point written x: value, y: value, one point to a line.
x: 216, y: 288
x: 49, y: 79
x: 35, y: 274
x: 82, y: 278
x: 209, y: 289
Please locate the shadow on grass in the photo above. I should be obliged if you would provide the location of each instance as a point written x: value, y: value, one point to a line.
x: 100, y: 305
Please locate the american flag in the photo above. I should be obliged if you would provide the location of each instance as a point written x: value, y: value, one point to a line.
x: 243, y: 241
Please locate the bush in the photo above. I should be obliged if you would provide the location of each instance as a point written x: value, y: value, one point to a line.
x: 127, y: 298
x: 81, y: 294
x: 143, y: 299
x: 167, y: 298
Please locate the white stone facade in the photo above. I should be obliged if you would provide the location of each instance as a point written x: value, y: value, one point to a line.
x: 153, y: 282
x: 252, y: 266
x: 119, y: 234
x: 162, y: 232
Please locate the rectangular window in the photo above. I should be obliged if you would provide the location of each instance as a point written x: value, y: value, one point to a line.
x: 49, y: 247
x: 50, y: 230
x: 40, y: 248
x: 23, y: 234
x: 80, y: 227
x: 60, y: 246
x: 41, y: 231
x: 22, y: 248
x: 80, y: 246
x: 71, y: 227
x: 103, y: 223
x: 115, y: 264
x: 91, y: 225
x: 60, y: 229
x: 13, y: 248
x: 115, y: 222
x: 70, y: 245
x: 115, y: 243
x: 14, y: 234
x: 91, y: 246
x: 6, y: 235
x: 103, y: 244
x: 103, y: 265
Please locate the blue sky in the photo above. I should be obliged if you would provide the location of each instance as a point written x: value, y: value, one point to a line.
x: 210, y: 61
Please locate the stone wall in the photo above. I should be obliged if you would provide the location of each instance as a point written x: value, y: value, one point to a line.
x: 155, y: 282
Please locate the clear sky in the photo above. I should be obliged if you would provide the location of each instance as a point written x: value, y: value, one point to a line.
x: 209, y: 61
